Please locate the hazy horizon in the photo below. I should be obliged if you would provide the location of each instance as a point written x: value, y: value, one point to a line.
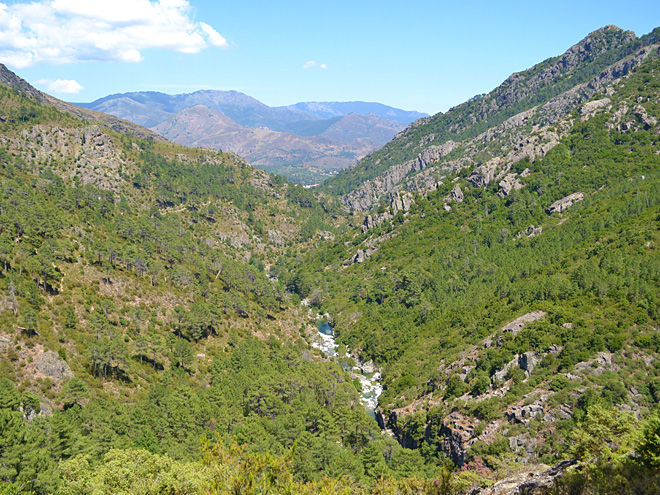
x: 426, y: 56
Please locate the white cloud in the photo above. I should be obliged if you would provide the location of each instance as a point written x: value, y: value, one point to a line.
x: 67, y: 86
x: 213, y: 36
x: 71, y: 31
x: 311, y: 63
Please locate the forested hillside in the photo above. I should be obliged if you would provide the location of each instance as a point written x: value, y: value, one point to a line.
x: 137, y: 311
x: 511, y: 310
x: 158, y: 303
x: 464, y: 135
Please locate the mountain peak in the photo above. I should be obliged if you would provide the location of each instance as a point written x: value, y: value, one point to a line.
x: 10, y: 79
x: 609, y: 27
x: 606, y: 38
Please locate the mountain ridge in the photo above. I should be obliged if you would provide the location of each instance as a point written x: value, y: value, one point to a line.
x: 518, y: 93
x: 205, y: 127
x: 327, y: 109
x: 356, y: 135
x: 501, y: 280
x: 230, y: 102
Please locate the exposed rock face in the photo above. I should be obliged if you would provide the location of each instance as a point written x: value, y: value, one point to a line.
x: 529, y: 134
x: 96, y: 142
x: 640, y: 112
x: 87, y: 153
x: 482, y: 175
x: 528, y: 361
x: 598, y: 365
x: 524, y: 414
x: 564, y: 203
x: 518, y: 86
x: 590, y: 108
x: 275, y: 237
x: 368, y: 223
x: 368, y: 367
x: 457, y: 430
x: 51, y: 365
x: 537, y: 479
x: 370, y: 192
x: 508, y: 184
x: 500, y: 375
x: 456, y: 194
x: 518, y: 324
x: 562, y: 104
x: 522, y: 444
x: 401, y: 202
x: 530, y: 231
x: 362, y: 255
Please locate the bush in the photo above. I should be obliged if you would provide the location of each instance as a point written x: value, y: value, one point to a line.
x: 649, y: 449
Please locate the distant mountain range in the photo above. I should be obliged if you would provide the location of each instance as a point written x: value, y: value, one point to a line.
x: 317, y: 137
x: 329, y: 109
x: 336, y: 148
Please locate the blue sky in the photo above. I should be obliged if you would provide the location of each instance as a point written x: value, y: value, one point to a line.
x: 419, y: 55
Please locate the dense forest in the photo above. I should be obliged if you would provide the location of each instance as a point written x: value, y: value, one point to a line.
x: 158, y: 306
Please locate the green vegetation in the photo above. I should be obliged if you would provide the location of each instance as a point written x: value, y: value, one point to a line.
x: 146, y: 277
x: 519, y: 93
x: 153, y: 338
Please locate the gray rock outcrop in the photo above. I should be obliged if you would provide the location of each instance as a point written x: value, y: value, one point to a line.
x: 528, y: 361
x: 368, y: 367
x: 456, y: 194
x: 401, y: 202
x: 371, y: 191
x: 640, y: 112
x: 590, y: 108
x: 537, y: 479
x: 530, y: 231
x: 368, y: 223
x: 564, y: 203
x: 500, y: 375
x: 457, y: 431
x: 52, y: 366
x: 508, y: 184
x: 275, y: 237
x: 529, y: 134
x: 484, y: 174
x: 519, y: 323
x: 524, y: 413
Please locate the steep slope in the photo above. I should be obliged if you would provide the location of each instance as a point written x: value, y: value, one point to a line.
x: 155, y: 297
x: 514, y: 311
x: 493, y: 125
x: 136, y: 310
x: 11, y: 80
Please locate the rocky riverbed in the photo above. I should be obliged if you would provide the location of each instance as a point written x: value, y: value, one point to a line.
x: 368, y: 375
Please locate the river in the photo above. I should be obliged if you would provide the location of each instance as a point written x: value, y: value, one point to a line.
x: 366, y: 373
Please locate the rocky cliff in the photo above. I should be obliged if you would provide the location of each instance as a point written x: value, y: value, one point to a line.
x: 523, y: 118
